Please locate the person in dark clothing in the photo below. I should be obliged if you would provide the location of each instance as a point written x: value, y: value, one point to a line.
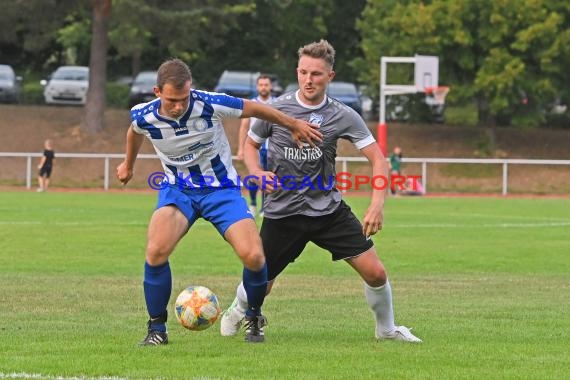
x: 45, y: 166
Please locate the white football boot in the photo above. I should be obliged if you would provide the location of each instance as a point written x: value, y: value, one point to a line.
x: 231, y: 320
x: 401, y: 333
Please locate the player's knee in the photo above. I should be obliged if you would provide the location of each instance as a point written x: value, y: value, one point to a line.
x: 156, y: 254
x: 377, y: 276
x: 253, y: 259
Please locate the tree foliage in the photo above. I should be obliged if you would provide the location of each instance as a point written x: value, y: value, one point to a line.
x: 29, y: 29
x: 508, y: 55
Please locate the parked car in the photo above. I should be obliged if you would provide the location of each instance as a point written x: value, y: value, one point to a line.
x: 10, y: 85
x: 142, y: 88
x: 346, y: 92
x: 242, y: 84
x: 291, y: 87
x: 419, y: 107
x: 67, y: 85
x: 276, y: 87
x: 369, y: 111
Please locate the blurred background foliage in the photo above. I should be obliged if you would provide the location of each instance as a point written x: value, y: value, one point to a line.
x: 506, y: 60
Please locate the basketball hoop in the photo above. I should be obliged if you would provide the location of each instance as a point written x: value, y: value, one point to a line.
x: 439, y: 93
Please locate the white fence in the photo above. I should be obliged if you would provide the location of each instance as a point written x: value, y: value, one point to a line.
x: 342, y: 160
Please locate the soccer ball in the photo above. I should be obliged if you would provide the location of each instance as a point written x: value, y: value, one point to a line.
x: 197, y: 308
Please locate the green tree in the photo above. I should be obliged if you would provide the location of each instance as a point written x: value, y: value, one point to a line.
x: 507, y: 55
x: 147, y: 32
x: 267, y: 37
x: 29, y: 32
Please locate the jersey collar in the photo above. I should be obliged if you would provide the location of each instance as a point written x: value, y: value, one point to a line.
x: 325, y: 100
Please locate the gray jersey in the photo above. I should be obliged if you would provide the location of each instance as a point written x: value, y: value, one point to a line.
x: 307, y: 176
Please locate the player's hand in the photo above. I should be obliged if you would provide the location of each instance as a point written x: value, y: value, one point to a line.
x: 124, y: 173
x: 304, y: 132
x: 267, y: 181
x: 239, y: 154
x: 373, y: 220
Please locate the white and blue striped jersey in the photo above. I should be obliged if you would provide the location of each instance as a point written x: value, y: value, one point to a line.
x: 193, y: 149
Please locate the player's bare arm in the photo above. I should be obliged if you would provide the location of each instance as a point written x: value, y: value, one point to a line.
x: 243, y: 128
x: 125, y: 168
x: 301, y: 131
x: 374, y: 217
x: 251, y: 159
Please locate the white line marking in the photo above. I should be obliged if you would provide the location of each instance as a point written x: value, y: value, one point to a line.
x: 483, y: 225
x: 200, y: 223
x: 24, y: 375
x: 203, y: 223
x: 491, y: 216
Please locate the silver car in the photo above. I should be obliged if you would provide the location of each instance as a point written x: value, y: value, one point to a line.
x: 10, y: 85
x: 67, y: 85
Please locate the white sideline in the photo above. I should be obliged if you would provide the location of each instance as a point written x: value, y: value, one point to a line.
x: 201, y: 223
x: 484, y: 225
x: 25, y: 375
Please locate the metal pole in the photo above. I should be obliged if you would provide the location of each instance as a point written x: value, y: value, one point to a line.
x: 106, y: 173
x: 29, y: 173
x: 505, y: 177
x: 424, y: 175
x: 344, y: 168
x: 382, y: 132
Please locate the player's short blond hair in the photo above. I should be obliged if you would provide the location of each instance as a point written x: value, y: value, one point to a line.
x: 322, y: 49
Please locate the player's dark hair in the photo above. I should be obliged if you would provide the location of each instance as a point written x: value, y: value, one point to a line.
x: 174, y: 72
x: 263, y: 76
x: 322, y: 49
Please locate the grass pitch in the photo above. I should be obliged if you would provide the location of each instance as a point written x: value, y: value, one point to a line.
x: 484, y: 282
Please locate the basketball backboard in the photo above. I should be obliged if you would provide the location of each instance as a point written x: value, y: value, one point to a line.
x: 426, y: 72
x: 426, y: 79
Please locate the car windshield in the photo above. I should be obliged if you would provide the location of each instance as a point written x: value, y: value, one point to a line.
x: 146, y: 78
x: 71, y: 74
x: 245, y: 79
x: 342, y: 89
x: 5, y: 75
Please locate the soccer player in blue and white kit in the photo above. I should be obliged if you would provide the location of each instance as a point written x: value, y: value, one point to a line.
x: 297, y: 213
x: 263, y: 86
x: 185, y: 127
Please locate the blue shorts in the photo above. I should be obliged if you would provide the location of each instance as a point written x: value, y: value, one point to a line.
x: 220, y: 206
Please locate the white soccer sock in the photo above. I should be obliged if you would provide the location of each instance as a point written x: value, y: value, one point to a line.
x: 380, y: 301
x: 242, y: 303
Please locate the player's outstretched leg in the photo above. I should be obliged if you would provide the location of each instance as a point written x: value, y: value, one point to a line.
x: 244, y: 238
x: 379, y: 297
